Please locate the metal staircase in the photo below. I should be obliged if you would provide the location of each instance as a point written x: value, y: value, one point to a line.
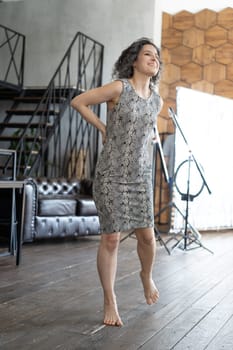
x: 51, y: 139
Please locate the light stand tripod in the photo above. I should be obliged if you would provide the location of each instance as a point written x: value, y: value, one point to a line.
x: 157, y: 146
x: 187, y: 238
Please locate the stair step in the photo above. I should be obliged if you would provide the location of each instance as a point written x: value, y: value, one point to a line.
x: 10, y: 86
x: 34, y: 91
x: 36, y: 99
x: 31, y: 111
x: 39, y: 91
x: 26, y: 152
x: 23, y: 125
x: 28, y: 99
x: 17, y: 138
x: 21, y: 167
x: 33, y: 152
x: 8, y: 94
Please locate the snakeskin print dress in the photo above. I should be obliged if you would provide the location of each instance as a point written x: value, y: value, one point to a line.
x: 122, y: 188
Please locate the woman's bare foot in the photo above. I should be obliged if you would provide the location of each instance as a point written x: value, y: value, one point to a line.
x: 111, y: 315
x: 150, y: 290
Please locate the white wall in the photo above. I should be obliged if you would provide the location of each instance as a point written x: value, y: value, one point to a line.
x: 172, y: 7
x: 50, y: 25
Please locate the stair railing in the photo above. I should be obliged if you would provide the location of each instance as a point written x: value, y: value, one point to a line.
x: 12, y: 52
x: 64, y: 144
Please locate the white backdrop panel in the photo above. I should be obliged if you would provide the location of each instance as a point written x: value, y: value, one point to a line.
x: 207, y: 124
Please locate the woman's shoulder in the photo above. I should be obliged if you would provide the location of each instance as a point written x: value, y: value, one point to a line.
x: 120, y: 86
x: 157, y: 97
x: 154, y: 88
x: 121, y: 82
x: 117, y: 87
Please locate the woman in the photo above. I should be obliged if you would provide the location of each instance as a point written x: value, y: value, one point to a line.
x: 122, y: 187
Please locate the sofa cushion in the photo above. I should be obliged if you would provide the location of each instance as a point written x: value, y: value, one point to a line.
x: 57, y: 207
x: 64, y: 226
x: 86, y: 207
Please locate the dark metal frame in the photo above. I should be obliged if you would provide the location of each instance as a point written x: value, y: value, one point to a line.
x: 8, y: 159
x: 12, y: 51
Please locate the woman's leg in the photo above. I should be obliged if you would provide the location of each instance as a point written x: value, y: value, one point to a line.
x: 107, y: 267
x: 146, y: 248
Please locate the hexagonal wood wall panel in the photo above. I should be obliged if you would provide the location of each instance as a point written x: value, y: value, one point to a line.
x: 197, y: 52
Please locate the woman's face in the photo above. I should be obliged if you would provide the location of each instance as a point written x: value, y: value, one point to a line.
x: 147, y: 61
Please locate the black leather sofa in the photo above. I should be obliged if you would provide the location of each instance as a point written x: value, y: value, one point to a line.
x: 59, y: 208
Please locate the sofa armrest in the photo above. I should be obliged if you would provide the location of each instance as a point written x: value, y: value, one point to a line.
x: 86, y: 206
x: 86, y: 187
x: 30, y: 210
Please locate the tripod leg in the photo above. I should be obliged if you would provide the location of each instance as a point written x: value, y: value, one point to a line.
x: 127, y: 236
x: 195, y: 231
x: 161, y: 241
x: 189, y: 240
x: 196, y: 240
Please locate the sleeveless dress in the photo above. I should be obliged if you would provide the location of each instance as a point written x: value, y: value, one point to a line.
x: 122, y: 188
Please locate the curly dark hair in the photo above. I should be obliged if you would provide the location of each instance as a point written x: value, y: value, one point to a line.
x: 123, y: 67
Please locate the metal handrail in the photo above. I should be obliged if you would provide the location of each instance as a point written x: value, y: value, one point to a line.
x: 12, y: 51
x: 64, y: 144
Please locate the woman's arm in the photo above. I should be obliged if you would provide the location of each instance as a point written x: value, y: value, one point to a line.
x: 108, y: 93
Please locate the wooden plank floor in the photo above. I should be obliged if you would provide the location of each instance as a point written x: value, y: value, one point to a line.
x: 53, y: 300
